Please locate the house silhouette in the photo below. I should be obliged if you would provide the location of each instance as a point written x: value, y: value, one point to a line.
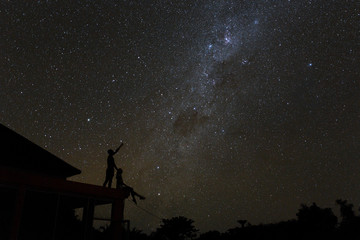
x: 37, y: 201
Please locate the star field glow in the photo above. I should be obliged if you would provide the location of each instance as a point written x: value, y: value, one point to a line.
x: 228, y: 110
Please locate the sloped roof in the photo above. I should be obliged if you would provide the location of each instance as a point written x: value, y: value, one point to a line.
x: 18, y: 152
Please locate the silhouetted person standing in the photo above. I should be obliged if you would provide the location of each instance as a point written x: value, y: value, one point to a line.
x: 110, y: 166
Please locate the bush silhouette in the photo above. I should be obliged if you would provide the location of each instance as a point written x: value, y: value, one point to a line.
x: 176, y: 228
x: 316, y: 218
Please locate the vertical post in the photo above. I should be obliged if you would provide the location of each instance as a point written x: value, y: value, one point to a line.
x: 88, y: 218
x: 117, y: 215
x: 56, y: 216
x: 16, y: 221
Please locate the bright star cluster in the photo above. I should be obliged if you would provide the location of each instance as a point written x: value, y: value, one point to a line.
x: 228, y: 110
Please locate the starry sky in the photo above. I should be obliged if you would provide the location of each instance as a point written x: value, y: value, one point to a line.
x: 228, y: 110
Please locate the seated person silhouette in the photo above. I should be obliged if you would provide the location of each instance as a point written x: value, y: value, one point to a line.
x: 110, y: 166
x: 120, y: 184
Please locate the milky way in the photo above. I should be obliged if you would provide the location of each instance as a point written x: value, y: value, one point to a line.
x: 228, y: 109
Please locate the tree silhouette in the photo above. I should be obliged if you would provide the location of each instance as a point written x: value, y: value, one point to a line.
x: 242, y: 223
x: 346, y: 209
x: 176, y: 228
x: 350, y: 224
x: 316, y: 218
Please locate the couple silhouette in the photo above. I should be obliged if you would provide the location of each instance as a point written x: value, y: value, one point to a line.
x: 119, y: 180
x: 111, y: 166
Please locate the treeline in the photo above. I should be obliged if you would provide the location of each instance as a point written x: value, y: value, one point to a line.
x: 312, y: 222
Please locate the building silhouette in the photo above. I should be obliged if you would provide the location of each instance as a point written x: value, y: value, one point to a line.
x: 38, y: 202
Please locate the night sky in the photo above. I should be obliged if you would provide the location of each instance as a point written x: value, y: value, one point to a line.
x: 228, y: 110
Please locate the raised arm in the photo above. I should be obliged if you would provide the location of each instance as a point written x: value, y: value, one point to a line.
x: 118, y: 148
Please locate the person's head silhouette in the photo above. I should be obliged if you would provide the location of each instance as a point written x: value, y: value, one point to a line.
x: 111, y: 152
